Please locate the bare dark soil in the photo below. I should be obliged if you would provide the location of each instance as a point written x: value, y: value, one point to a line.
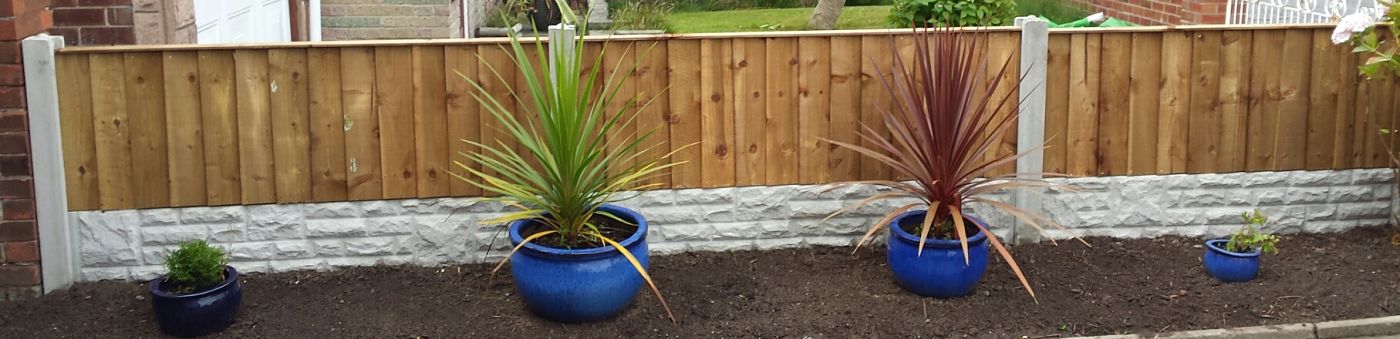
x: 1119, y: 286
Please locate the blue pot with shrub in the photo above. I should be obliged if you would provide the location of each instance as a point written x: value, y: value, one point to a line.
x: 575, y: 285
x: 940, y: 271
x: 1236, y: 259
x: 199, y: 295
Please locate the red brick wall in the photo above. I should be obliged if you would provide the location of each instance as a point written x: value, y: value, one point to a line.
x: 19, y: 247
x: 94, y: 22
x: 1161, y: 12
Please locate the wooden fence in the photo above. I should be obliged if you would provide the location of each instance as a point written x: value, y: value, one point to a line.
x: 169, y: 126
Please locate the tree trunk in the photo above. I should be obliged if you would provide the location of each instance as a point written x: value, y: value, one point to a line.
x: 825, y: 15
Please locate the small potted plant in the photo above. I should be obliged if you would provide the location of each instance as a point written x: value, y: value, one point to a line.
x: 944, y: 128
x: 576, y: 256
x: 1236, y: 259
x: 199, y: 294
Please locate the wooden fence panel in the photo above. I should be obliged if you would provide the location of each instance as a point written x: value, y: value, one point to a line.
x: 193, y: 126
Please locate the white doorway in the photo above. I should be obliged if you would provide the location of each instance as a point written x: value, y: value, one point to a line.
x: 243, y: 21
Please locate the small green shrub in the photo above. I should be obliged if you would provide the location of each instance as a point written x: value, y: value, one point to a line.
x: 1060, y: 11
x: 642, y: 15
x: 958, y: 13
x: 1249, y: 237
x: 507, y: 13
x: 195, y: 266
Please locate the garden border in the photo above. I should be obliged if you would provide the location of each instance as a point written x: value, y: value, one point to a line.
x: 1355, y: 328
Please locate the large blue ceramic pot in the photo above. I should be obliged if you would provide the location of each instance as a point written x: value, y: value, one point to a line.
x: 199, y: 313
x: 1230, y: 266
x: 579, y: 285
x: 941, y: 271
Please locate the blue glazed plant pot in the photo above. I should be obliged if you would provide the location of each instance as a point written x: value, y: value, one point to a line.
x: 941, y: 271
x: 579, y: 285
x: 1229, y: 266
x: 199, y: 313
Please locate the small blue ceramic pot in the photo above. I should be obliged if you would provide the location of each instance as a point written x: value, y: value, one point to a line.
x: 579, y: 285
x: 199, y: 313
x: 1229, y: 266
x: 941, y: 271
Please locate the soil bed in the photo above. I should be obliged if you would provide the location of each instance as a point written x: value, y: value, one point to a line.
x: 1119, y: 286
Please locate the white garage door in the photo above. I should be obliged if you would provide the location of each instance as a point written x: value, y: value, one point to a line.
x: 242, y: 21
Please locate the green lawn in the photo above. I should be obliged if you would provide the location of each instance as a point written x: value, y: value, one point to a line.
x: 855, y: 17
x: 777, y: 19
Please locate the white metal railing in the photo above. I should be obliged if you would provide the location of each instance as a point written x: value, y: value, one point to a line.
x: 1296, y: 11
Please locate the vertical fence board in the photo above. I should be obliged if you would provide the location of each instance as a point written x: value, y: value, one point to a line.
x: 1144, y: 100
x: 1174, y: 113
x: 1293, y: 103
x: 1114, y: 110
x: 846, y: 79
x: 814, y: 108
x: 430, y: 121
x: 705, y: 161
x: 1344, y: 115
x: 1361, y: 118
x: 496, y: 72
x: 718, y: 140
x: 145, y: 107
x: 1263, y: 101
x: 463, y: 115
x: 750, y: 82
x: 653, y: 115
x: 219, y: 107
x: 781, y: 123
x: 79, y: 133
x: 256, y: 159
x: 1004, y: 52
x: 362, y: 139
x: 291, y: 123
x: 113, y: 129
x: 184, y: 128
x: 1204, y: 132
x: 327, y: 125
x: 877, y: 62
x: 1057, y: 103
x: 393, y: 92
x: 1322, y: 101
x: 1083, y: 121
x: 1235, y: 73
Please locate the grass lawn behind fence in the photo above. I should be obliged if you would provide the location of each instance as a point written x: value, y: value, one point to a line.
x: 854, y: 17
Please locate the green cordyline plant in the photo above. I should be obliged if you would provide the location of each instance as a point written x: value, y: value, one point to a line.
x: 566, y: 168
x: 947, y: 120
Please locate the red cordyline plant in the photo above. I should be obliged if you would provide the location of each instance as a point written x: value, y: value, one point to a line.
x: 944, y: 127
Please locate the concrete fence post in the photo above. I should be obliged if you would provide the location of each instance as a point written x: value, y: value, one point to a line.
x: 58, y: 242
x: 566, y: 33
x: 1030, y: 129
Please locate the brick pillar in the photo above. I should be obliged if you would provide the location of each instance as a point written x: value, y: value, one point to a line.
x: 19, y: 248
x: 94, y: 22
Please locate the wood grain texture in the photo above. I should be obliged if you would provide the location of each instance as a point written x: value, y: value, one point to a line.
x: 219, y: 110
x: 1323, y: 90
x: 1235, y: 53
x: 781, y: 112
x: 653, y: 122
x: 291, y: 124
x: 750, y: 82
x: 694, y: 146
x: 256, y: 157
x: 845, y: 119
x: 327, y: 126
x: 393, y: 97
x: 361, y: 125
x: 1203, y: 154
x: 1083, y: 105
x: 1264, y: 96
x: 716, y: 113
x: 113, y: 128
x: 1115, y: 83
x: 79, y: 133
x: 146, y: 114
x: 814, y: 109
x: 1057, y: 86
x: 430, y: 122
x: 876, y: 64
x: 184, y: 129
x: 1144, y: 101
x: 1174, y: 112
x: 463, y: 115
x: 1293, y: 101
